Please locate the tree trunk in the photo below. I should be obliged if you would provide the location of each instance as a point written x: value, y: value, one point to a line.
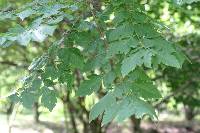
x: 136, y: 124
x: 9, y: 112
x: 36, y: 112
x: 95, y: 127
x: 73, y: 122
x: 65, y: 116
x: 67, y: 104
x: 189, y: 113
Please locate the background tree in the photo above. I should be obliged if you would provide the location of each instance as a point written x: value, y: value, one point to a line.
x: 108, y: 48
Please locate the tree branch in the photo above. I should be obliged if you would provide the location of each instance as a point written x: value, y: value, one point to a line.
x: 9, y: 63
x: 180, y: 90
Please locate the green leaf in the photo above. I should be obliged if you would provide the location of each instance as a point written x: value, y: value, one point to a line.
x: 65, y: 76
x: 181, y: 2
x: 18, y: 29
x: 139, y: 85
x: 40, y: 33
x: 134, y: 106
x: 2, y: 40
x: 36, y: 83
x: 26, y: 13
x: 38, y: 63
x: 31, y: 94
x: 89, y: 86
x: 99, y: 107
x: 48, y: 99
x: 140, y: 17
x: 127, y: 96
x: 121, y: 110
x: 14, y: 97
x: 147, y: 58
x: 49, y: 10
x: 71, y: 56
x: 109, y: 78
x: 55, y: 20
x: 145, y: 90
x: 7, y: 15
x: 137, y: 59
x: 84, y: 26
x: 131, y: 62
x: 145, y: 30
x: 111, y: 112
x: 96, y: 62
x: 169, y: 60
x: 123, y: 31
x: 165, y: 52
x: 28, y: 97
x: 122, y: 46
x: 120, y: 16
x: 50, y: 72
x: 24, y: 38
x: 138, y: 75
x: 118, y: 47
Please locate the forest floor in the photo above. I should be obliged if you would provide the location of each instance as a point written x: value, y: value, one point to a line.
x: 28, y: 126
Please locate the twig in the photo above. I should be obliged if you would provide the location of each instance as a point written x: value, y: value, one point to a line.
x: 180, y: 90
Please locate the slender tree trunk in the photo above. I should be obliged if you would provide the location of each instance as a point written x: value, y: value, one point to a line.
x: 136, y: 124
x: 65, y: 116
x: 67, y: 104
x: 12, y: 115
x: 72, y: 117
x: 189, y: 116
x: 85, y: 128
x: 85, y: 124
x: 36, y: 112
x: 189, y: 113
x: 9, y: 111
x: 95, y: 127
x: 84, y: 111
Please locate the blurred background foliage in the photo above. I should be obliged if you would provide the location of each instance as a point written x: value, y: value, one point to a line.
x: 180, y: 88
